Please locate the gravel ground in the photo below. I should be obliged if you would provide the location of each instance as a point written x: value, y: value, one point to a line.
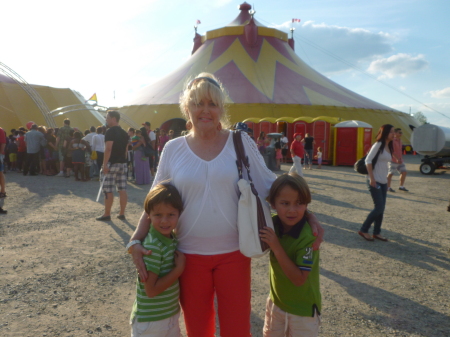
x: 64, y: 274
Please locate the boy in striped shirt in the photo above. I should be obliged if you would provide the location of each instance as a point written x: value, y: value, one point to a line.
x: 156, y: 310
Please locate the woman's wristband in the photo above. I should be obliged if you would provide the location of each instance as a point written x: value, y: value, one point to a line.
x: 132, y: 243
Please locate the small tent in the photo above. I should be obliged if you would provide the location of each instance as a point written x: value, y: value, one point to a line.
x: 17, y: 108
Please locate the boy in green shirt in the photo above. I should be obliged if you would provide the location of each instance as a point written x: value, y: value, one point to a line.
x: 156, y: 310
x: 294, y: 305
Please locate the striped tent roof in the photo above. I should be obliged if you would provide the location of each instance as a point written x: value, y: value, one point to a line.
x: 256, y: 64
x: 263, y: 76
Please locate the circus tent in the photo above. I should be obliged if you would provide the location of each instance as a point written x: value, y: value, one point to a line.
x: 264, y: 78
x: 17, y: 108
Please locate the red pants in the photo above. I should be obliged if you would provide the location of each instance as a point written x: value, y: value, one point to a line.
x: 228, y: 275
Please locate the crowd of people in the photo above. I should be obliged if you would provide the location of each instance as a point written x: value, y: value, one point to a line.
x: 67, y: 151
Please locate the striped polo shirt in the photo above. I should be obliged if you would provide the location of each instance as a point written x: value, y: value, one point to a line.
x: 160, y: 262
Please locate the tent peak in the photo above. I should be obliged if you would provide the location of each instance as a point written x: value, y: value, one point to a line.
x: 245, y: 6
x: 244, y: 16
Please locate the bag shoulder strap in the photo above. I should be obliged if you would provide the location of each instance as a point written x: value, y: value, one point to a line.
x: 242, y: 160
x: 375, y: 159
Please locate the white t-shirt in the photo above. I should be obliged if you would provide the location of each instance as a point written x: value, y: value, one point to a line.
x: 89, y: 137
x: 98, y: 143
x: 208, y: 224
x: 284, y: 141
x: 380, y: 171
x: 151, y: 135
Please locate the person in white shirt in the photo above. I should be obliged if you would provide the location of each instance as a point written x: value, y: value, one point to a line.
x: 98, y: 145
x: 382, y: 150
x: 202, y: 166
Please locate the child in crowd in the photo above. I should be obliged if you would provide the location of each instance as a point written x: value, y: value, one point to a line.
x: 156, y: 310
x: 135, y: 139
x: 318, y: 156
x: 294, y: 305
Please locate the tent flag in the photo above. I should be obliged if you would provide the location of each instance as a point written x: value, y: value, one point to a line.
x: 295, y: 20
x: 198, y: 22
x: 93, y: 98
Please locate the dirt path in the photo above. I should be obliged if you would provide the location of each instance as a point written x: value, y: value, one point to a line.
x: 64, y: 274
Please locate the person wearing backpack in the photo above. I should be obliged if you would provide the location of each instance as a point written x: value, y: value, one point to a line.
x: 377, y: 181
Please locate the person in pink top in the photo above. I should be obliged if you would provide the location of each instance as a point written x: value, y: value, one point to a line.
x: 397, y: 163
x: 297, y: 153
x: 163, y: 139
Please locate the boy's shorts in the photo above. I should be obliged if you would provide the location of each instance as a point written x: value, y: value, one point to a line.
x: 396, y: 167
x: 279, y: 323
x: 12, y: 157
x: 168, y: 327
x: 117, y: 176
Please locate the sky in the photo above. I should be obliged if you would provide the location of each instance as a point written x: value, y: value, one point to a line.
x: 394, y: 52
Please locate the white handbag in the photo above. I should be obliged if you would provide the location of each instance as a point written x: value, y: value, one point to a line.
x: 253, y: 211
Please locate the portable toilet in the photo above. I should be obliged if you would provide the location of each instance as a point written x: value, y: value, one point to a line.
x: 268, y: 125
x: 352, y: 141
x: 286, y: 125
x: 302, y: 125
x: 321, y: 130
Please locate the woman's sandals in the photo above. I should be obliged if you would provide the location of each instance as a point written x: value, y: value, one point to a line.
x: 366, y: 236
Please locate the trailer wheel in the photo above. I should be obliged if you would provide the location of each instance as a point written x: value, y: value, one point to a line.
x: 427, y: 168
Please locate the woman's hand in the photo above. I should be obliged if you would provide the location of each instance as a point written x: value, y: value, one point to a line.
x: 269, y: 236
x: 373, y: 183
x: 180, y: 260
x: 138, y: 252
x: 317, y: 230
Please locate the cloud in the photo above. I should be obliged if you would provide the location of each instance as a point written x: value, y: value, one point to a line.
x: 331, y: 49
x: 400, y: 65
x: 444, y: 93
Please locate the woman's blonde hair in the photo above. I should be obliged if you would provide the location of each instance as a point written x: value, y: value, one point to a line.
x: 199, y: 88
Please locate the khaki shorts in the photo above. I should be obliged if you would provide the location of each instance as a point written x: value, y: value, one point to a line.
x: 400, y: 168
x: 279, y: 323
x: 168, y: 327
